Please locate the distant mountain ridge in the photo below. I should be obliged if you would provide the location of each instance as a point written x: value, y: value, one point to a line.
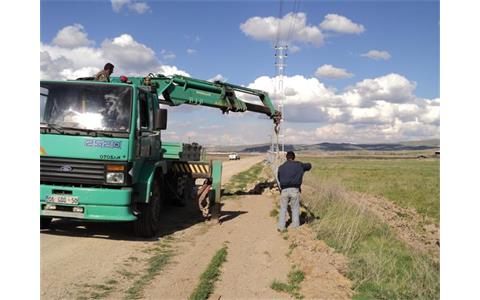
x: 400, y: 146
x: 433, y: 142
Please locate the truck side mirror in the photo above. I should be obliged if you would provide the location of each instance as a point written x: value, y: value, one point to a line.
x: 160, y: 122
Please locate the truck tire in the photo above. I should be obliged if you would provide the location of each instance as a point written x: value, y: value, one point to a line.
x: 45, y: 222
x: 148, y: 221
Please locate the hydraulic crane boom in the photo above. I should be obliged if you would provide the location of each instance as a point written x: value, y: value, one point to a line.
x: 176, y: 90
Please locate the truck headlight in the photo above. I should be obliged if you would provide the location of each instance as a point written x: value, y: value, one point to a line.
x: 115, y: 177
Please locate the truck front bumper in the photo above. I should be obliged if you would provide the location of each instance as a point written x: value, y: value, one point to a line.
x: 93, y: 203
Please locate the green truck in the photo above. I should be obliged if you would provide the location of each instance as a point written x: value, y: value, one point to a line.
x: 102, y: 156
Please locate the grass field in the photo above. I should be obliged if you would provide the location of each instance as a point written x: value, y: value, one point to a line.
x: 407, y: 182
x: 381, y: 266
x: 240, y: 181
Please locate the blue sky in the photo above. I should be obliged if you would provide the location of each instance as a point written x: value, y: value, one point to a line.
x: 381, y: 99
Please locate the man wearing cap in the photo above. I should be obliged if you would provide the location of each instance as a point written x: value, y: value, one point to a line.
x: 290, y: 175
x: 104, y: 75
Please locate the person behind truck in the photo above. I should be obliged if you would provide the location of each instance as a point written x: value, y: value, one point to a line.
x: 290, y: 175
x: 104, y: 75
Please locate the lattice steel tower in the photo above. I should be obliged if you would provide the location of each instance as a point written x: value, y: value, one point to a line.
x: 280, y: 65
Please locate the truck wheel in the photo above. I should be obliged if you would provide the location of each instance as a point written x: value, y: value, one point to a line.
x: 45, y: 222
x: 148, y: 221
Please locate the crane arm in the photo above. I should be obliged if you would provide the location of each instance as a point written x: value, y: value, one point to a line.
x: 176, y: 90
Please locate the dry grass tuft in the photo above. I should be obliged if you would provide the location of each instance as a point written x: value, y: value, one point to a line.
x: 380, y: 265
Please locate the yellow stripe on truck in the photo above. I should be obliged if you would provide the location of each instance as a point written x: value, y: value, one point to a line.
x: 197, y: 168
x: 191, y: 168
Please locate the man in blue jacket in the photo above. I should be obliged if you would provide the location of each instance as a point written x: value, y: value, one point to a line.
x: 290, y: 175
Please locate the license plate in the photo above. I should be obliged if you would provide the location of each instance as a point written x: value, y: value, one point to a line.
x: 62, y: 199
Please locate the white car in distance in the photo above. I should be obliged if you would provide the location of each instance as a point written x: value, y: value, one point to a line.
x: 233, y: 156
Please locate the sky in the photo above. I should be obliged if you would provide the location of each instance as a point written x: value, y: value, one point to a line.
x: 357, y: 71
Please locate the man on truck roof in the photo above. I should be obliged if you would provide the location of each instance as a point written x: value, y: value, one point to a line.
x: 290, y: 175
x: 104, y: 75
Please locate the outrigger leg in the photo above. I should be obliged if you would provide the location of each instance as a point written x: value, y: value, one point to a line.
x: 209, y: 193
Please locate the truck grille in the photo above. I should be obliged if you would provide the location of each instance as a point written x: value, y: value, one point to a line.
x: 74, y: 171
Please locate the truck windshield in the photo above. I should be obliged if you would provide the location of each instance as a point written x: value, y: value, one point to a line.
x: 85, y: 106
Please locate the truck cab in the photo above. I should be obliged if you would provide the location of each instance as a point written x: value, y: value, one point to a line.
x: 100, y: 143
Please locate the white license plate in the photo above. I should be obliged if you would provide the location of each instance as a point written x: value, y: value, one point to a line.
x: 62, y: 199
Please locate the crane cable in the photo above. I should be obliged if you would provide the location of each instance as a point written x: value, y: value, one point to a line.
x: 296, y: 7
x: 279, y: 23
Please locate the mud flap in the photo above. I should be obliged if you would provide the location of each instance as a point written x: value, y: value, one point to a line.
x: 215, y: 193
x: 215, y: 207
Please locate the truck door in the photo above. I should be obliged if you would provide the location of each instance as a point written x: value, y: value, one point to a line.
x: 147, y: 138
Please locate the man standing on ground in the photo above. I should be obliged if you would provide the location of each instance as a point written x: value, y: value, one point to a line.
x: 104, y: 75
x: 290, y: 175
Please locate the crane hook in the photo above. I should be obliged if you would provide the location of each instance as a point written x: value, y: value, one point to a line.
x: 277, y: 118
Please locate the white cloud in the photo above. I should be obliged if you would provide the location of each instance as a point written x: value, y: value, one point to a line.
x: 218, y: 77
x: 74, y: 58
x: 393, y: 132
x: 329, y: 71
x: 71, y: 37
x: 305, y: 98
x: 372, y: 110
x: 171, y: 70
x: 128, y: 55
x: 341, y: 24
x: 333, y: 132
x: 167, y: 54
x: 135, y: 6
x: 50, y: 68
x: 199, y: 122
x: 392, y: 88
x: 411, y: 130
x: 82, y: 72
x: 316, y: 113
x: 118, y: 4
x: 377, y: 55
x: 294, y: 49
x: 292, y: 27
x: 139, y: 7
x: 409, y: 111
x: 191, y: 51
x: 431, y: 114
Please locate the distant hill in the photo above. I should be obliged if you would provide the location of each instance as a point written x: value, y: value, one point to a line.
x: 237, y: 148
x: 401, y: 146
x: 433, y: 143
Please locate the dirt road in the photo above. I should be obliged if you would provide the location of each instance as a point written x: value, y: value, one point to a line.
x: 76, y: 253
x: 81, y: 261
x: 232, y: 167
